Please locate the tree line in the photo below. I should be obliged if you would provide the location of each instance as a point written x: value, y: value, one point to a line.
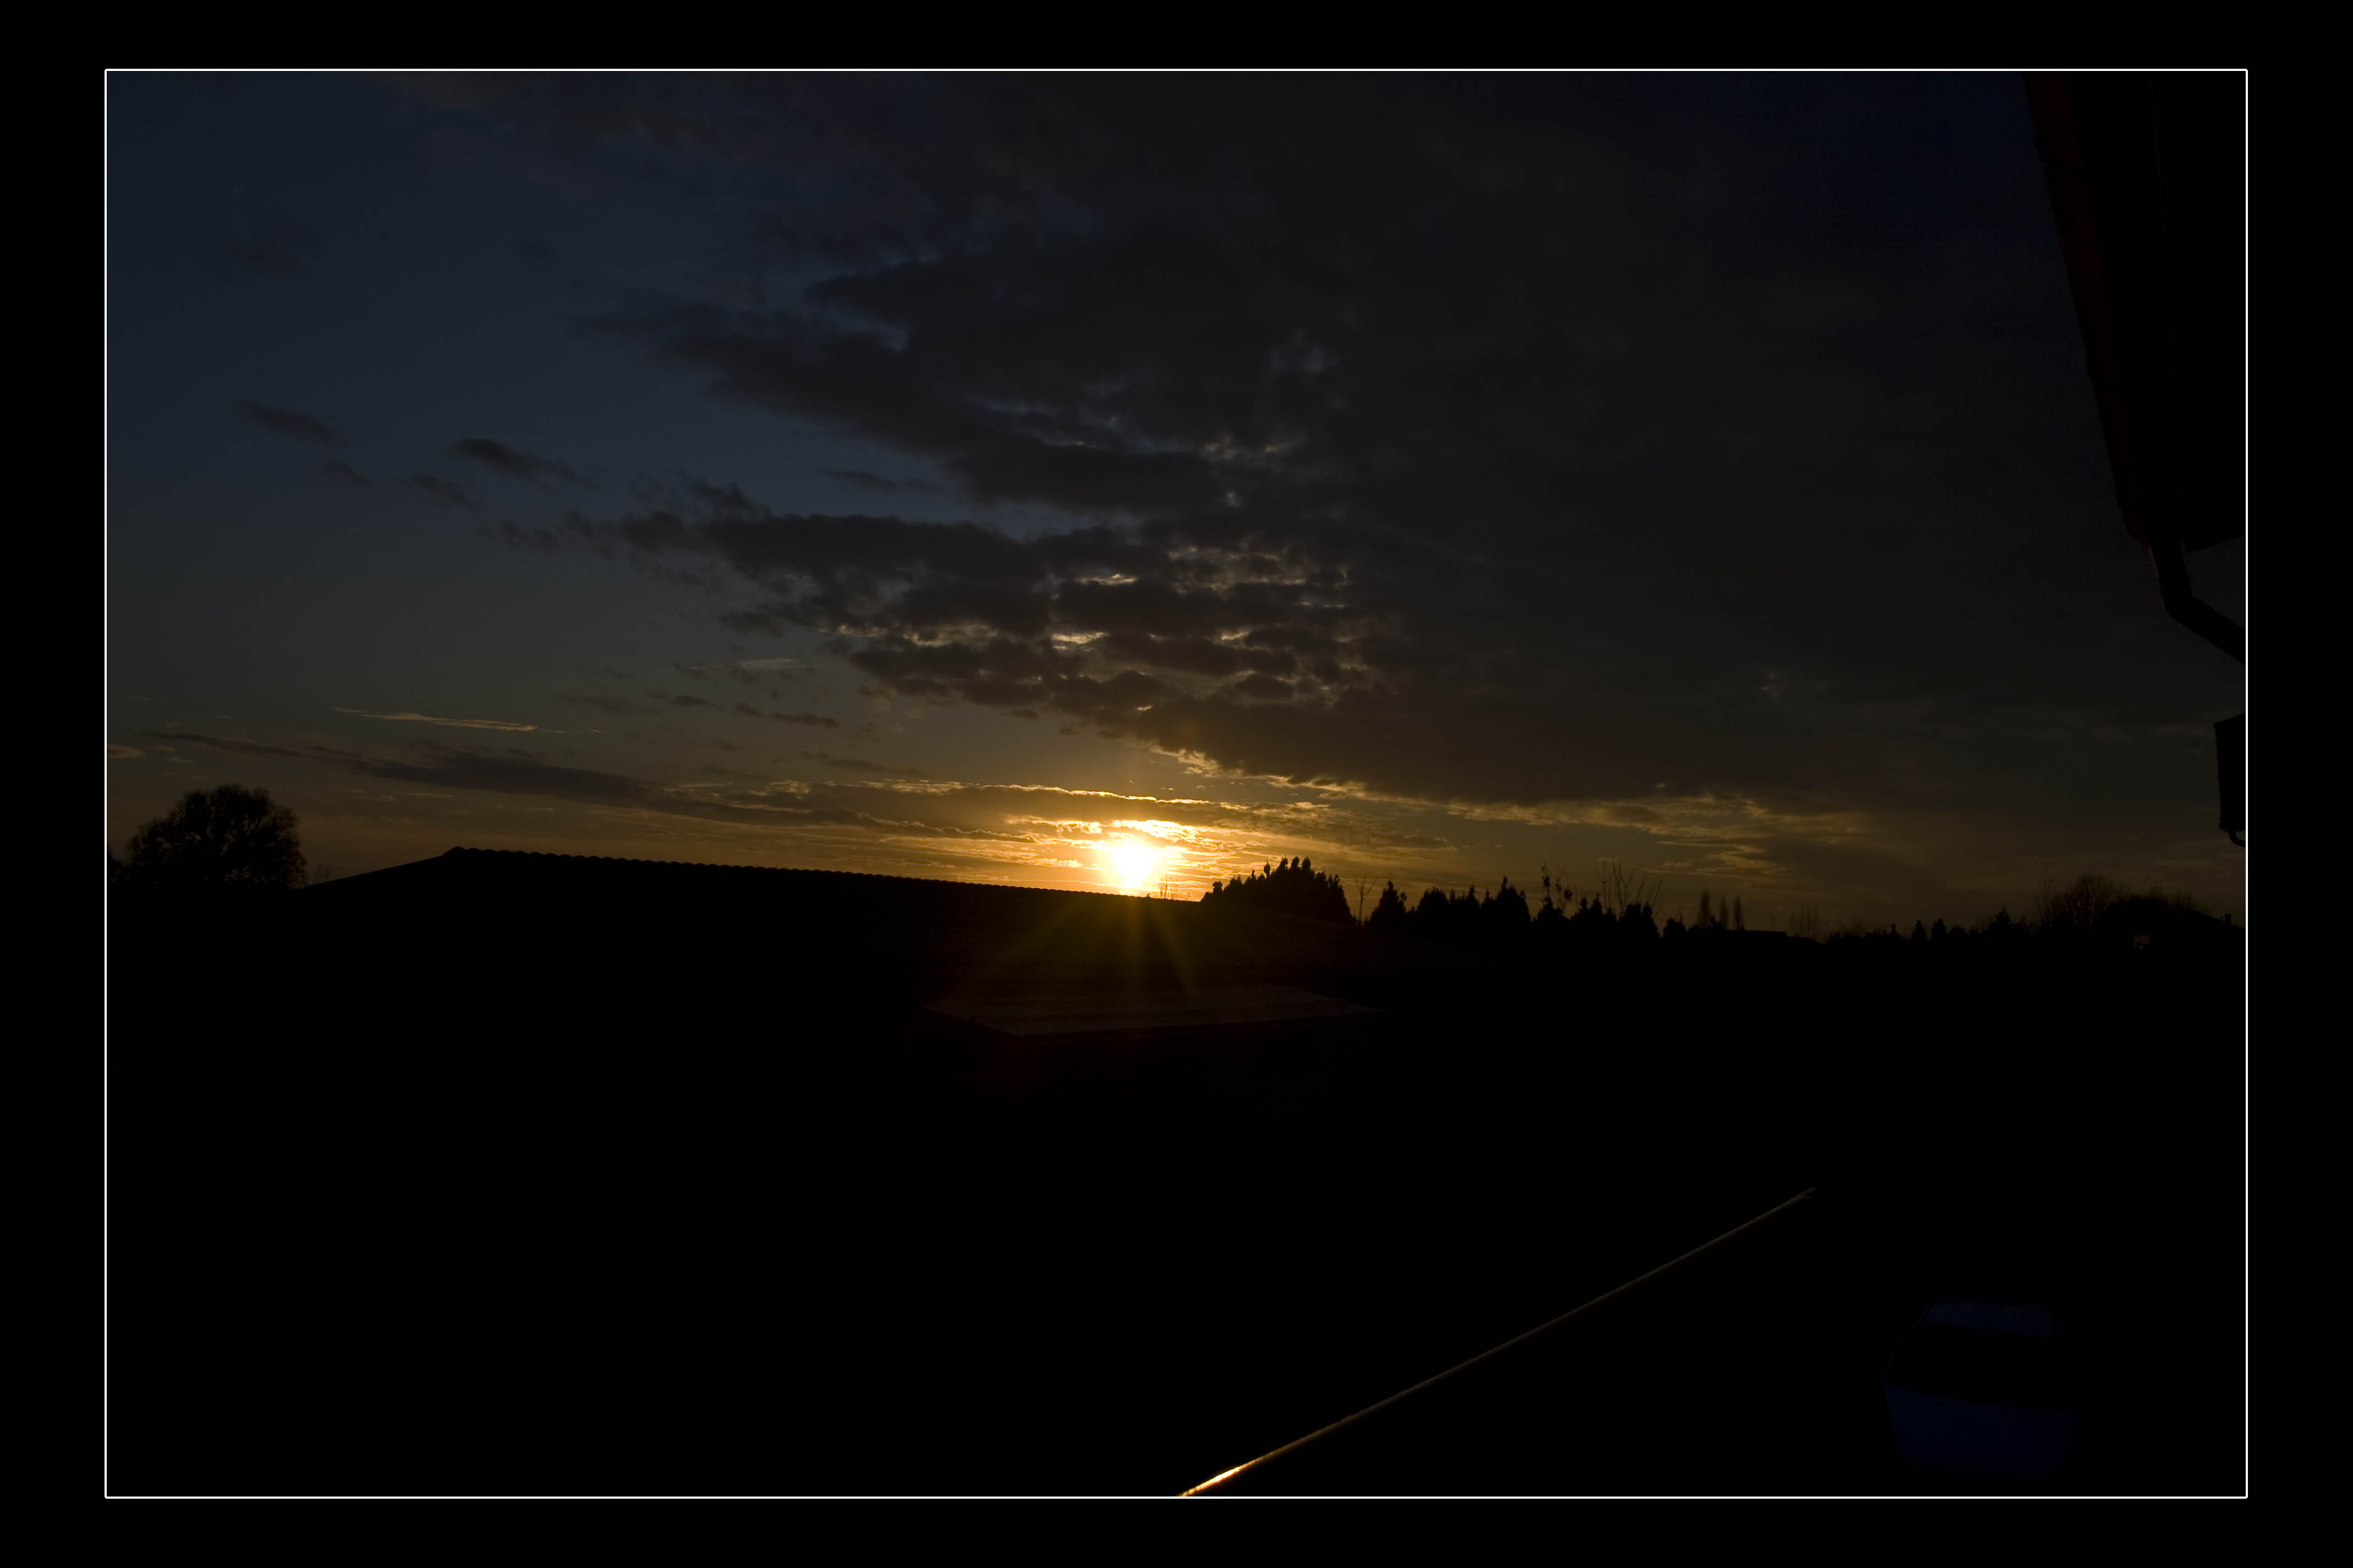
x: 1621, y: 910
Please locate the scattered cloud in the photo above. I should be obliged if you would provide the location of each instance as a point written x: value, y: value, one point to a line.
x: 446, y: 723
x: 444, y: 492
x: 859, y: 764
x: 860, y: 478
x: 291, y: 424
x: 1000, y: 829
x: 501, y: 458
x: 1481, y: 448
x: 620, y: 706
x: 539, y: 540
x: 749, y: 671
x: 1666, y: 458
x: 273, y: 250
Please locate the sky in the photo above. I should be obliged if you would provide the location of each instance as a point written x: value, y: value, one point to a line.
x: 1119, y: 481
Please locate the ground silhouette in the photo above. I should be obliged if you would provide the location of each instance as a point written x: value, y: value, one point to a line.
x: 544, y: 1173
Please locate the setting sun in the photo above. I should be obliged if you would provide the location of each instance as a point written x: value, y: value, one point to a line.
x: 1135, y: 863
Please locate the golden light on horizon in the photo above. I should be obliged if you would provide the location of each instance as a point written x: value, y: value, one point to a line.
x: 1135, y: 863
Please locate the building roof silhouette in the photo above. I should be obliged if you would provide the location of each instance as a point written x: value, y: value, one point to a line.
x: 910, y: 938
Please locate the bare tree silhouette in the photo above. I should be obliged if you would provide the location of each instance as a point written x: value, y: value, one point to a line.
x: 2077, y: 906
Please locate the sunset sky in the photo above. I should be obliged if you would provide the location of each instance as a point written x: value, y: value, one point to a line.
x: 1118, y: 481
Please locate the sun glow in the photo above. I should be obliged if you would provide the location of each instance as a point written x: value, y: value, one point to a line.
x: 1135, y: 863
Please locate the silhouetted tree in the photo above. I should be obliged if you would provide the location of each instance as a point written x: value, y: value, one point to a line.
x: 1291, y: 888
x: 219, y: 838
x: 1591, y: 922
x: 2076, y: 908
x: 1506, y: 913
x: 1556, y: 893
x: 1390, y: 915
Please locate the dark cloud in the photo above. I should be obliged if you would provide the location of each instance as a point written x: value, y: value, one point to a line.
x: 1532, y: 444
x: 1143, y: 632
x: 539, y: 540
x: 336, y: 468
x: 274, y: 250
x: 501, y: 458
x: 444, y: 492
x: 409, y: 717
x: 619, y: 707
x: 289, y: 423
x: 263, y: 256
x: 752, y: 672
x: 240, y: 748
x: 859, y: 766
x: 1304, y: 659
x: 517, y: 772
x: 861, y: 478
x: 1260, y: 687
x: 1494, y: 440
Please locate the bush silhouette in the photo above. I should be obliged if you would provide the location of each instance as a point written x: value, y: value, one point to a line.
x: 227, y: 838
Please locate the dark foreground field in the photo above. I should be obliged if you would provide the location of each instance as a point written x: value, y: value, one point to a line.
x: 483, y: 1188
